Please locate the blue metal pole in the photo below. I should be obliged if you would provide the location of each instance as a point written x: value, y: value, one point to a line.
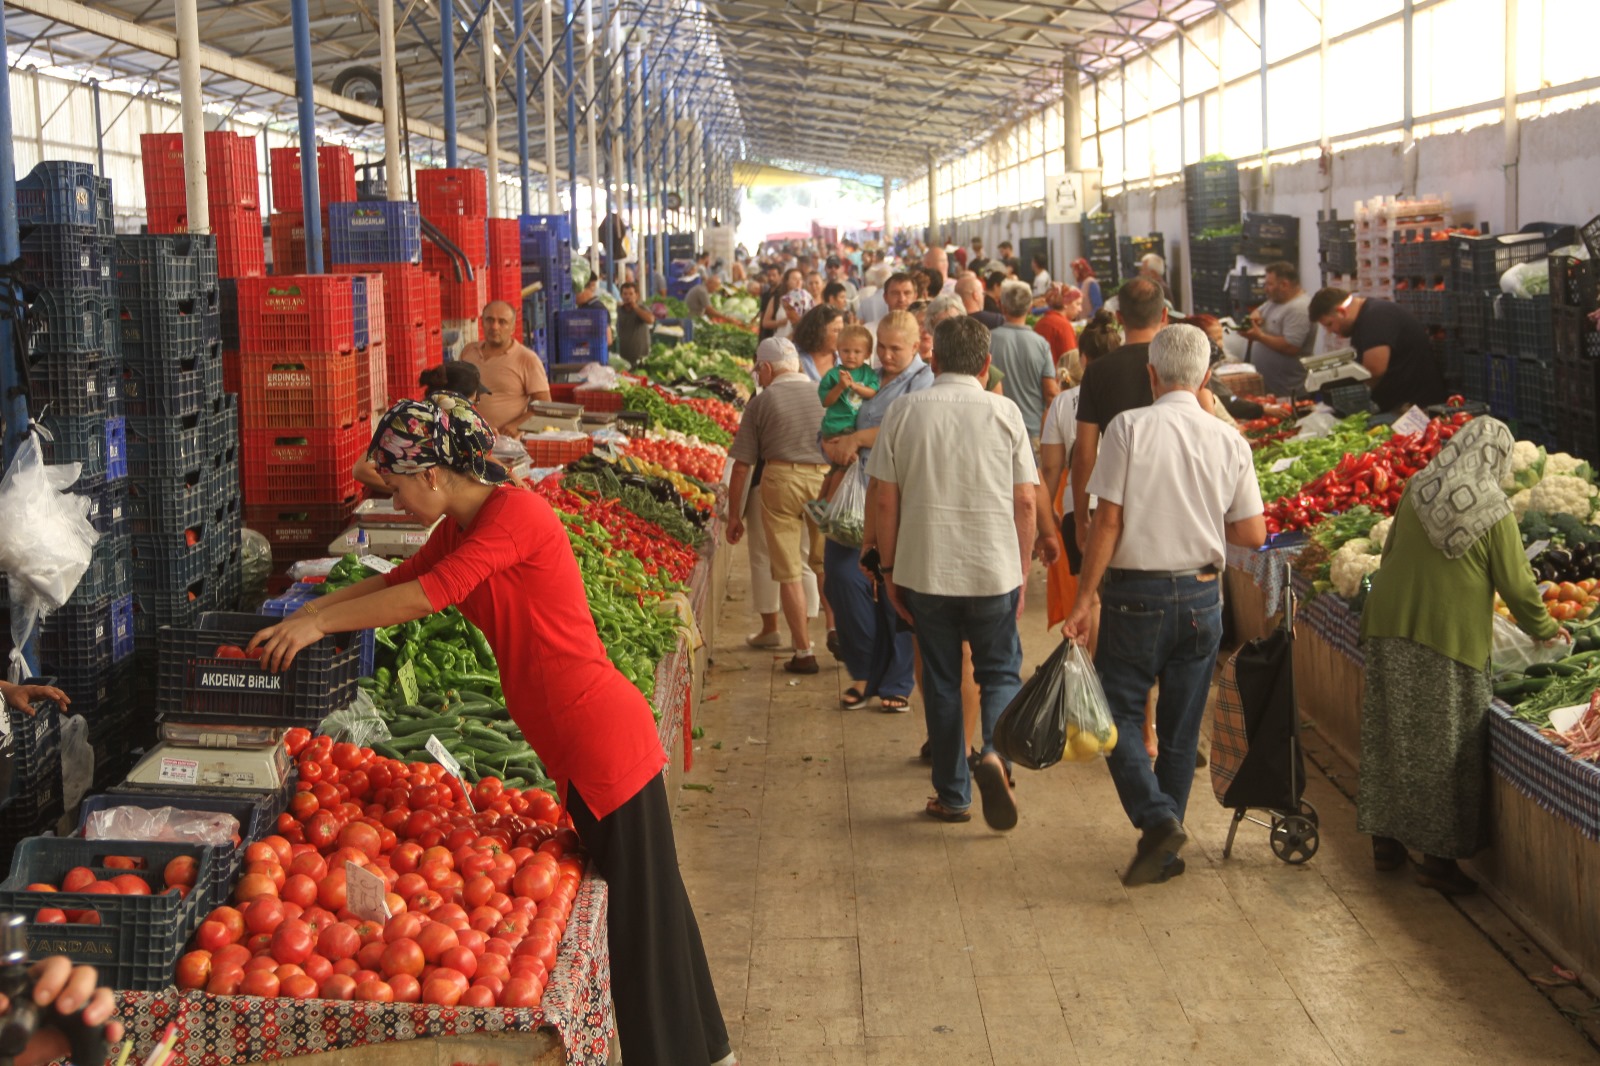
x: 522, y: 108
x: 13, y: 403
x: 607, y: 133
x: 572, y: 120
x: 99, y: 129
x: 310, y: 189
x: 447, y: 59
x: 627, y: 142
x: 646, y: 239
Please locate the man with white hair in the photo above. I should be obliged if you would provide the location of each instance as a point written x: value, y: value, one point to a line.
x: 781, y: 429
x: 1176, y: 486
x: 1153, y: 267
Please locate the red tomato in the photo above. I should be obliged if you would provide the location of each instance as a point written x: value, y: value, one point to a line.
x: 303, y: 805
x: 441, y: 992
x: 435, y: 939
x: 224, y: 982
x: 322, y: 830
x: 51, y: 916
x: 310, y: 864
x: 181, y: 871
x: 300, y: 890
x: 459, y: 959
x: 318, y: 969
x: 293, y: 941
x: 477, y: 996
x: 402, y: 927
x: 298, y: 986
x: 332, y: 890
x: 296, y: 739
x: 78, y: 879
x: 370, y: 956
x: 230, y: 956
x: 194, y: 969
x: 339, y: 986
x: 362, y: 837
x: 403, y: 956
x: 520, y: 992
x: 369, y: 932
x: 213, y: 935
x: 253, y: 885
x: 340, y: 941
x: 535, y: 881
x: 263, y: 915
x: 262, y: 983
x: 407, y: 989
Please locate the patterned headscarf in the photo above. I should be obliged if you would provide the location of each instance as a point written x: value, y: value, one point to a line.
x: 1458, y: 495
x: 444, y: 431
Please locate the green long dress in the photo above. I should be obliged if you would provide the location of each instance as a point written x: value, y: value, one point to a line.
x: 1426, y: 630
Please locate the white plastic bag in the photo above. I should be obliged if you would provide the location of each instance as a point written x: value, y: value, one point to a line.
x: 845, y: 520
x: 1513, y: 651
x: 1527, y: 279
x: 166, y: 824
x: 359, y: 722
x: 46, y: 541
x: 77, y: 760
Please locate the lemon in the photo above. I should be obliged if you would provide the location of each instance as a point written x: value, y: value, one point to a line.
x: 1072, y: 730
x: 1084, y: 747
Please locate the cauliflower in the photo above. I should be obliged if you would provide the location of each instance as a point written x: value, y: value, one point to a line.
x: 1562, y: 463
x: 1522, y: 503
x: 1348, y: 570
x: 1561, y: 494
x: 1380, y: 534
x: 1356, y: 546
x: 1527, y: 459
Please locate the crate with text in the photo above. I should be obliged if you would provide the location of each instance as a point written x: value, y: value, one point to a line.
x: 301, y: 466
x: 296, y: 313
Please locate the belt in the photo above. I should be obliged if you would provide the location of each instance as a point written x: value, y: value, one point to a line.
x: 1143, y: 575
x: 807, y: 466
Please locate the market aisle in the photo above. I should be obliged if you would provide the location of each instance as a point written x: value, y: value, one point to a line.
x: 843, y: 926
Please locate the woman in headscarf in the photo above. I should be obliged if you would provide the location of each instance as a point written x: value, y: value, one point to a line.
x: 1063, y: 304
x: 588, y: 723
x: 1426, y: 630
x: 454, y: 377
x: 1083, y: 273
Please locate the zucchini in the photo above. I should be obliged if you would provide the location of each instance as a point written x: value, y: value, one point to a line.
x: 1559, y: 668
x: 442, y: 723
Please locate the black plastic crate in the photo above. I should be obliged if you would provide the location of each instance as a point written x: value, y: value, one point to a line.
x: 72, y: 439
x: 1263, y: 251
x: 170, y: 560
x: 68, y: 321
x: 1532, y: 327
x: 1536, y: 391
x: 1431, y: 307
x: 228, y: 312
x: 1418, y: 253
x: 33, y: 751
x: 1339, y: 257
x: 59, y: 192
x: 61, y: 257
x: 67, y: 383
x: 108, y: 509
x: 1131, y: 249
x: 212, y: 374
x: 108, y: 269
x: 1474, y: 312
x: 1335, y: 229
x: 164, y: 267
x: 1503, y: 385
x: 1478, y: 262
x: 169, y: 388
x: 105, y: 217
x: 84, y: 638
x: 197, y: 686
x: 160, y: 326
x: 1574, y: 282
x: 167, y: 505
x: 1247, y: 290
x: 222, y: 428
x: 166, y: 447
x: 1282, y: 229
x: 139, y: 938
x: 1099, y: 227
x: 1213, y: 253
x: 110, y: 571
x: 157, y: 607
x: 1500, y: 329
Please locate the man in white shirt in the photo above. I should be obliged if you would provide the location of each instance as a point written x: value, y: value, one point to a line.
x: 1176, y: 485
x: 955, y: 531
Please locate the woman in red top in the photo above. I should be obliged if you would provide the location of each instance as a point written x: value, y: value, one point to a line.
x: 1063, y: 303
x: 502, y: 557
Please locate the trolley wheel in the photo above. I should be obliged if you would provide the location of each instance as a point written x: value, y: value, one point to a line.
x: 1309, y: 812
x: 1295, y: 839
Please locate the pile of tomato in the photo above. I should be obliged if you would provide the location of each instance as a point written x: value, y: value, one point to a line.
x: 478, y: 902
x: 723, y: 414
x: 700, y: 463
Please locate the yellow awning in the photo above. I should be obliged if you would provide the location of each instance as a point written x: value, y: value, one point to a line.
x: 754, y: 175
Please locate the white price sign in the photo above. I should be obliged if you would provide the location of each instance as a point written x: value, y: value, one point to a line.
x: 364, y: 894
x: 442, y: 755
x: 1412, y: 422
x: 1282, y: 464
x: 1535, y: 549
x: 372, y: 562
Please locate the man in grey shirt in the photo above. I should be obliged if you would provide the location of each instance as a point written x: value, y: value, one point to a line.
x: 780, y: 429
x: 1281, y: 333
x: 1024, y: 358
x: 698, y: 300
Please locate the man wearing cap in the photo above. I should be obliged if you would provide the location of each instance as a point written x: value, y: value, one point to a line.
x: 837, y: 272
x: 511, y: 372
x: 780, y: 430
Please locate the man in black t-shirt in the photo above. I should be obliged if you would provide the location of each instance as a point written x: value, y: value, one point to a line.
x: 1113, y: 384
x: 1393, y: 346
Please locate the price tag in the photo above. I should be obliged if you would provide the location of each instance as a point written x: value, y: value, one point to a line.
x: 364, y: 894
x: 1283, y: 464
x: 453, y: 768
x: 1535, y: 549
x: 372, y: 562
x: 407, y: 678
x: 1412, y: 422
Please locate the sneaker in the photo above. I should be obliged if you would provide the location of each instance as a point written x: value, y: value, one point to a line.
x: 1157, y: 846
x: 802, y: 663
x: 764, y: 640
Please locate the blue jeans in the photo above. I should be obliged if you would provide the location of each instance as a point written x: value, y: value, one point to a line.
x: 989, y: 624
x: 872, y: 647
x: 1150, y: 628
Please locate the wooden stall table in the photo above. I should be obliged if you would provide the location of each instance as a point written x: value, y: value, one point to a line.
x: 1253, y: 587
x: 1330, y: 671
x: 572, y: 1024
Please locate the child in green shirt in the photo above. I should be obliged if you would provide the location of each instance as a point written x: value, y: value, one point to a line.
x: 843, y: 389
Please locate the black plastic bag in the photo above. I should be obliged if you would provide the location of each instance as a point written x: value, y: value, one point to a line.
x: 1032, y: 730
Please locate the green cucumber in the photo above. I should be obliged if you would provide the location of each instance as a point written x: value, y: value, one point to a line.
x: 437, y: 724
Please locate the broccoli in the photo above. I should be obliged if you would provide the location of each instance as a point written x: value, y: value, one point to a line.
x: 1572, y: 530
x: 1535, y: 525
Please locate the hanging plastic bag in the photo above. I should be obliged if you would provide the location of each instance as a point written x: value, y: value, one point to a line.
x: 77, y: 760
x: 845, y: 520
x: 1059, y: 713
x: 1513, y: 651
x: 359, y: 722
x: 46, y: 541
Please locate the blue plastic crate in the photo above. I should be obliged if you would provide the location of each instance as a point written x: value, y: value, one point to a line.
x: 301, y: 593
x: 59, y: 191
x: 375, y: 232
x: 559, y: 227
x: 358, y: 309
x: 116, y: 448
x: 581, y: 335
x: 121, y: 627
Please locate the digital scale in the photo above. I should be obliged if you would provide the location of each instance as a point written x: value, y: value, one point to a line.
x: 207, y: 756
x: 548, y: 415
x: 389, y: 532
x: 1330, y: 367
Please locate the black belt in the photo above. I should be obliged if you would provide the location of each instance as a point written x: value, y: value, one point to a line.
x: 1144, y: 575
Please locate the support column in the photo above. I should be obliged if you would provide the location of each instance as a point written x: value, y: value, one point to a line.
x: 1325, y: 144
x: 192, y: 105
x: 447, y: 58
x: 310, y: 188
x: 572, y: 120
x: 392, y: 118
x: 552, y: 193
x: 648, y: 228
x: 888, y: 215
x: 629, y: 96
x: 1266, y: 164
x: 1072, y: 119
x: 933, y: 202
x: 1512, y: 125
x: 491, y: 115
x: 518, y: 27
x: 594, y: 156
x: 13, y: 404
x: 1408, y: 144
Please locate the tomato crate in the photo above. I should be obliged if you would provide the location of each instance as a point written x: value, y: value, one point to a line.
x: 75, y: 439
x: 380, y: 232
x: 34, y: 748
x: 166, y: 447
x: 300, y: 391
x: 109, y: 512
x: 233, y: 174
x: 581, y: 335
x: 139, y: 938
x: 59, y: 192
x: 288, y: 242
x: 452, y: 191
x: 196, y: 685
x: 68, y: 383
x: 60, y: 257
x: 170, y: 560
x: 547, y: 450
x: 170, y: 388
x: 167, y: 505
x: 336, y: 177
x: 296, y: 313
x: 564, y: 392
x: 241, y: 244
x: 301, y: 466
x: 597, y: 399
x: 294, y: 530
x: 110, y: 571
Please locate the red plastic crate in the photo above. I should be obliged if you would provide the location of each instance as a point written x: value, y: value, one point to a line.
x: 377, y: 309
x: 462, y: 299
x: 232, y: 369
x: 233, y: 176
x: 299, y: 531
x: 296, y: 314
x: 405, y: 291
x: 505, y: 243
x: 301, y: 467
x: 241, y: 249
x: 466, y: 234
x: 300, y: 391
x: 543, y: 452
x: 598, y: 399
x: 336, y: 177
x: 563, y: 392
x: 372, y: 383
x: 433, y: 304
x: 444, y: 192
x: 408, y: 355
x: 165, y: 194
x: 288, y: 242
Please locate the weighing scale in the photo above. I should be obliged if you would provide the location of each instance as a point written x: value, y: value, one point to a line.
x: 546, y: 415
x: 389, y: 532
x: 207, y: 756
x: 1330, y: 367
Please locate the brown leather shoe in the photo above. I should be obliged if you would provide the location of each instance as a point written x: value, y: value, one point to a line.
x: 802, y: 664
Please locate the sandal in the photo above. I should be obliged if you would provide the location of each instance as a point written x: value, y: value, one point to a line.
x: 853, y: 697
x: 894, y: 704
x: 1388, y: 854
x: 939, y: 811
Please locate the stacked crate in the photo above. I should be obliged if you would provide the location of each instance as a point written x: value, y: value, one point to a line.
x: 382, y: 241
x: 1131, y: 249
x: 1336, y: 250
x: 1264, y: 239
x: 303, y: 427
x: 1574, y: 298
x: 504, y: 278
x: 336, y: 184
x: 455, y: 201
x: 74, y: 381
x: 185, y: 557
x: 546, y: 278
x: 1380, y: 224
x: 233, y: 193
x: 1098, y: 244
x: 1424, y: 286
x: 1212, y: 204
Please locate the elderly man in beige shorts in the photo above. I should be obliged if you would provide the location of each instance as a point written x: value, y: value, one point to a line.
x: 780, y: 430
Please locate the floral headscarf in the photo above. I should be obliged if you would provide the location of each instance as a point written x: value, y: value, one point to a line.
x: 444, y: 431
x: 1458, y: 495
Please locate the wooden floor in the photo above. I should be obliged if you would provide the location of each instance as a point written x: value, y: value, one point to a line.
x: 844, y: 926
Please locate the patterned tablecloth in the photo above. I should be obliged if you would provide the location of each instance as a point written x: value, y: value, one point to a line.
x: 1268, y: 568
x: 1333, y: 620
x: 222, y: 1030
